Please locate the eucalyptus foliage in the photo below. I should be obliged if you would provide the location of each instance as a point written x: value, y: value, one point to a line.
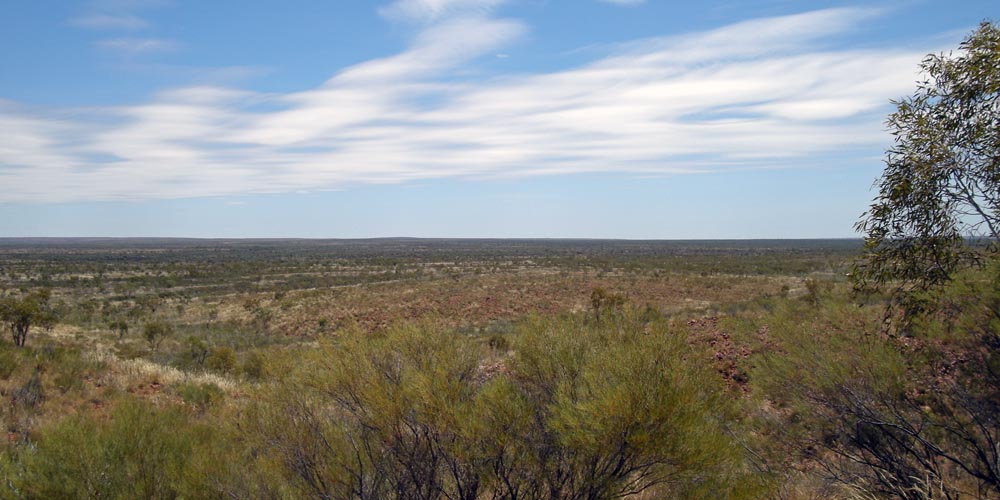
x: 939, y: 196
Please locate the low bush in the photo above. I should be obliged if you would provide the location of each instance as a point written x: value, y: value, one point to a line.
x: 254, y: 367
x: 583, y: 410
x: 201, y: 396
x: 221, y: 359
x: 10, y: 361
x: 140, y: 452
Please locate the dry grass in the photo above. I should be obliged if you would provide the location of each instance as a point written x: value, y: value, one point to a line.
x: 132, y: 374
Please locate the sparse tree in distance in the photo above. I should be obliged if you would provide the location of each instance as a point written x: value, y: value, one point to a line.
x: 20, y: 314
x: 155, y: 331
x: 119, y: 326
x: 602, y: 301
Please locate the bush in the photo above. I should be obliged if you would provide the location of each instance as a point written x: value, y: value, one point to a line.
x: 139, y: 452
x: 606, y: 303
x: 129, y: 350
x: 889, y: 415
x: 68, y: 366
x: 31, y: 394
x: 197, y: 350
x: 498, y: 342
x: 155, y: 331
x: 9, y: 362
x: 611, y: 405
x: 253, y: 366
x: 583, y: 410
x: 221, y: 359
x: 201, y: 396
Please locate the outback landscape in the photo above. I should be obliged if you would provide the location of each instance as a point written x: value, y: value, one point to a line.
x: 209, y: 331
x: 625, y: 362
x: 158, y: 368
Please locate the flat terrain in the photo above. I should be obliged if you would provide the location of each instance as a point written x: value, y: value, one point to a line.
x: 305, y: 288
x: 232, y: 337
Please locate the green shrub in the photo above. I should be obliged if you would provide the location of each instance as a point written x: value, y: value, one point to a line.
x: 128, y: 350
x: 583, y: 410
x: 9, y: 362
x: 197, y: 350
x: 498, y: 342
x: 201, y: 396
x: 886, y: 414
x: 156, y: 331
x: 221, y: 359
x: 68, y: 367
x: 254, y: 367
x: 606, y: 303
x: 31, y: 393
x: 613, y: 403
x: 140, y: 452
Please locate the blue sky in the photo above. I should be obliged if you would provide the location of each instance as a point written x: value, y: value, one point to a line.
x: 454, y: 118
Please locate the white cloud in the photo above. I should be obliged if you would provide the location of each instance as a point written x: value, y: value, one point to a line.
x: 430, y: 10
x: 115, y: 14
x: 762, y: 93
x: 132, y: 46
x: 102, y: 21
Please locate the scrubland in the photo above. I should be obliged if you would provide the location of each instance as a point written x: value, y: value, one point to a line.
x: 466, y: 369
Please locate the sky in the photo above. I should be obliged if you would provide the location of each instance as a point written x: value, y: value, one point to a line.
x: 639, y: 119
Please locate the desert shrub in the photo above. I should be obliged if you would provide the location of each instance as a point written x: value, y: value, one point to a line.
x: 816, y: 289
x: 378, y: 415
x: 884, y: 414
x: 650, y: 314
x: 156, y: 331
x: 583, y: 411
x: 201, y: 396
x: 622, y: 410
x: 69, y: 371
x: 66, y: 366
x: 128, y: 350
x: 31, y: 393
x: 139, y: 452
x: 221, y: 359
x: 118, y: 326
x: 197, y: 351
x: 500, y: 327
x: 253, y: 366
x: 605, y: 303
x: 498, y: 342
x: 9, y: 362
x: 223, y: 464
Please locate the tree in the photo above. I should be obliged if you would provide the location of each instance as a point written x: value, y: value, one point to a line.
x: 602, y: 301
x: 938, y: 206
x: 20, y: 314
x: 119, y: 326
x: 935, y: 419
x: 155, y: 331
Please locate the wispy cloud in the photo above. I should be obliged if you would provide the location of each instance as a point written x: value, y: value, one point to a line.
x: 199, y: 75
x: 762, y: 93
x: 133, y: 45
x: 430, y: 10
x: 115, y: 14
x: 121, y: 15
x: 625, y: 2
x: 104, y: 21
